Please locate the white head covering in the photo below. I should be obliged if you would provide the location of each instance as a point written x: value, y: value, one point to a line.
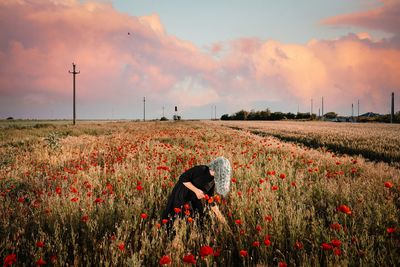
x: 222, y: 169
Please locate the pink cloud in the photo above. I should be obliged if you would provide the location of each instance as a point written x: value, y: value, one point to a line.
x: 386, y: 17
x: 40, y: 39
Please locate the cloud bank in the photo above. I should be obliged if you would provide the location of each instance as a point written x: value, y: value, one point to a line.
x: 123, y: 58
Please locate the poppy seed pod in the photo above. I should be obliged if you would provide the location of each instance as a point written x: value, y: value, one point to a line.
x: 222, y: 174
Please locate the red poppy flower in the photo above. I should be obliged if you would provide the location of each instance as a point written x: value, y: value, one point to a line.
x: 345, y: 209
x: 282, y: 264
x: 238, y: 222
x: 298, y: 245
x: 143, y: 216
x: 74, y: 199
x: 267, y: 242
x: 336, y: 243
x: 164, y: 221
x: 268, y: 218
x: 282, y: 176
x: 139, y: 188
x: 10, y: 259
x: 274, y: 188
x: 85, y: 218
x: 40, y: 262
x: 256, y: 244
x: 21, y: 200
x: 337, y: 251
x: 121, y: 246
x: 217, y: 252
x: 190, y: 219
x: 190, y: 258
x: 165, y: 260
x: 326, y: 246
x: 258, y: 228
x: 186, y: 206
x: 335, y: 226
x: 177, y: 210
x: 388, y: 185
x: 98, y: 200
x: 390, y: 230
x: 58, y: 190
x: 40, y: 244
x: 243, y: 253
x: 205, y: 251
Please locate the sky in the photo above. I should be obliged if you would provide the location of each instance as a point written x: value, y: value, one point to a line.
x: 197, y: 55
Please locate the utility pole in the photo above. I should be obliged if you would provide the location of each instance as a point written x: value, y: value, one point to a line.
x: 163, y: 108
x: 322, y: 106
x: 352, y: 113
x: 215, y: 112
x: 144, y: 108
x: 74, y: 73
x: 358, y: 108
x: 392, y: 109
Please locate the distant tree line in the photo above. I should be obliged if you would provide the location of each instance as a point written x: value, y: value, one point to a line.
x: 267, y: 115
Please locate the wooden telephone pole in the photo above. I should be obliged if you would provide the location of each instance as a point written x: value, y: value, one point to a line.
x: 74, y: 73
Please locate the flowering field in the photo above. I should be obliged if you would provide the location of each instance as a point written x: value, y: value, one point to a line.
x: 375, y: 141
x: 93, y: 195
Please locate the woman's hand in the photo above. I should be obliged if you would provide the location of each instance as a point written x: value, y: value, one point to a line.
x: 199, y: 194
x: 218, y: 214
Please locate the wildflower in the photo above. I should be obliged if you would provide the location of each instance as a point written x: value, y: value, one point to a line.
x: 256, y: 244
x: 73, y: 189
x: 267, y: 242
x: 388, y: 185
x: 189, y: 259
x: 238, y: 222
x: 390, y: 230
x: 335, y: 226
x: 258, y: 228
x: 74, y: 199
x: 40, y: 244
x: 282, y: 176
x: 345, y: 209
x: 85, y: 218
x: 326, y: 246
x: 143, y: 216
x: 274, y: 188
x: 40, y: 262
x: 337, y: 251
x: 217, y: 252
x: 186, y: 206
x: 205, y: 251
x: 139, y: 188
x: 336, y: 243
x: 243, y: 253
x: 164, y: 221
x: 10, y: 259
x: 190, y: 219
x: 58, y: 190
x: 98, y: 200
x: 268, y: 218
x: 21, y: 200
x: 298, y: 245
x: 293, y: 184
x: 233, y: 180
x: 121, y: 246
x: 282, y: 264
x: 177, y: 210
x: 165, y: 260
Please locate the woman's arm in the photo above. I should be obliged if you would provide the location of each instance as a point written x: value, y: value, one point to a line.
x: 218, y: 213
x: 198, y: 192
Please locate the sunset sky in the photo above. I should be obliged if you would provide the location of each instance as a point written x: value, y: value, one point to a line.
x: 196, y: 54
